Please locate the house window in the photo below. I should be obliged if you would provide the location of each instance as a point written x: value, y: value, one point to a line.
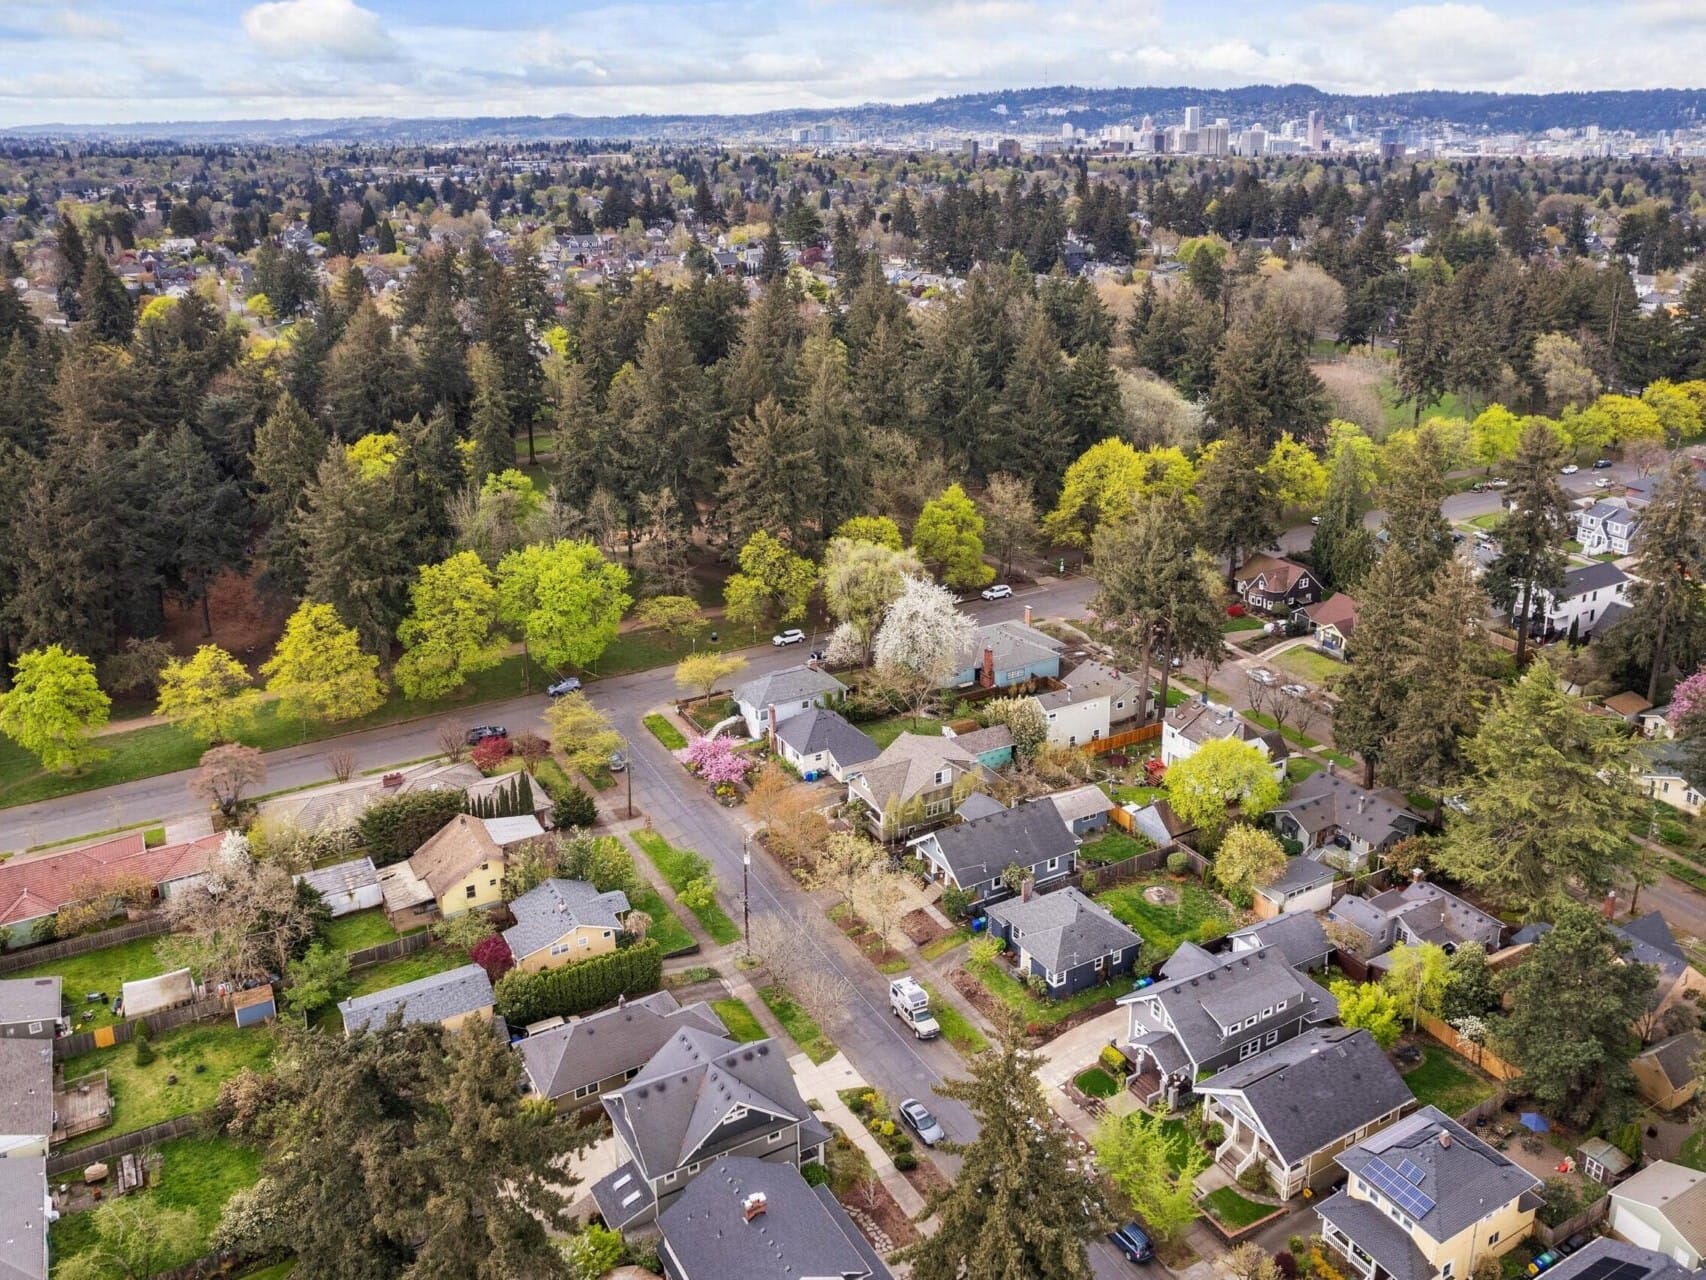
x: 586, y: 1091
x: 775, y: 1137
x: 1053, y: 863
x: 1273, y: 1037
x: 607, y: 933
x: 485, y: 866
x: 1056, y: 979
x: 472, y: 890
x: 1248, y: 1049
x: 1446, y: 1270
x: 557, y: 948
x: 941, y: 777
x: 936, y: 808
x: 35, y: 1028
x: 1493, y: 1238
x: 1101, y: 963
x: 584, y: 942
x: 1268, y: 1012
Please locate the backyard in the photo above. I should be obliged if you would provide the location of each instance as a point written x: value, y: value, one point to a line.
x: 1115, y: 846
x: 359, y: 930
x: 197, y: 1174
x: 1444, y: 1080
x: 883, y: 732
x: 1196, y: 916
x: 189, y: 1065
x: 105, y: 971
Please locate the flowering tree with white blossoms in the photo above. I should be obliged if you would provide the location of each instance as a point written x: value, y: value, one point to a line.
x: 921, y: 640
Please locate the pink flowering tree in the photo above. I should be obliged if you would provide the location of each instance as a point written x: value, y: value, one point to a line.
x: 714, y: 759
x: 1687, y: 703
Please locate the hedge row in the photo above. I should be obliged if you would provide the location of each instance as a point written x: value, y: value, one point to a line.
x: 576, y: 988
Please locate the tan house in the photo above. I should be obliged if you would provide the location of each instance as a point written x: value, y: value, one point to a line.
x: 1425, y: 1199
x: 918, y: 782
x: 459, y: 869
x: 558, y: 922
x: 1665, y: 1073
x: 450, y: 999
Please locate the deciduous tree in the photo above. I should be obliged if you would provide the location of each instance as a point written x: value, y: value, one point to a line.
x: 920, y: 642
x: 209, y: 695
x: 703, y: 672
x: 319, y: 671
x: 773, y: 585
x: 948, y: 538
x: 1155, y: 1168
x: 1370, y: 1007
x: 54, y: 708
x: 226, y: 774
x: 1248, y: 858
x: 1217, y: 775
x: 860, y: 581
x: 451, y: 631
x: 564, y: 599
x: 582, y: 732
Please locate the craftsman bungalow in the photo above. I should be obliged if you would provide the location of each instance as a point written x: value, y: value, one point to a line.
x: 1275, y: 585
x: 973, y: 855
x: 1337, y: 821
x: 574, y: 1063
x: 1065, y: 939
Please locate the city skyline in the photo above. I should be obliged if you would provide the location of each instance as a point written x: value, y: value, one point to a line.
x: 115, y: 61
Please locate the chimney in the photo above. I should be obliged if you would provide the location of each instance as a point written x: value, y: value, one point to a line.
x: 1417, y: 875
x: 987, y: 680
x: 1444, y: 1140
x: 1027, y: 615
x: 1611, y: 904
x: 770, y: 713
x: 753, y: 1206
x: 1025, y: 889
x: 1332, y: 768
x: 1362, y: 803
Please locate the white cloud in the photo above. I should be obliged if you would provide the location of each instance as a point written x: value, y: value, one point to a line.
x: 302, y: 28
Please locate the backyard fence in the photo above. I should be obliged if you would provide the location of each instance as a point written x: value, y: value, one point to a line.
x: 396, y: 949
x: 1109, y: 874
x: 63, y: 1162
x: 1117, y: 741
x: 123, y: 1032
x: 1591, y: 1216
x: 148, y: 927
x: 1480, y: 1055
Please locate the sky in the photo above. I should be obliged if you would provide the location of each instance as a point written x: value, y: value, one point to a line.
x: 111, y: 61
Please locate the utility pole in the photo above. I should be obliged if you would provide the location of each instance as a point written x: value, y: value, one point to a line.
x: 745, y: 894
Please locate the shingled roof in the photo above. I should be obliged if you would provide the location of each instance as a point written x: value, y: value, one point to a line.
x: 1063, y: 929
x: 31, y: 887
x: 458, y: 847
x: 555, y: 906
x: 613, y: 1042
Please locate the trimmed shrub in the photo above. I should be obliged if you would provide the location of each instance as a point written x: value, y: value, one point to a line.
x: 814, y: 1174
x: 574, y: 808
x: 144, y: 1050
x: 1178, y: 862
x: 394, y: 828
x: 1113, y: 1060
x: 577, y: 988
x: 905, y: 1161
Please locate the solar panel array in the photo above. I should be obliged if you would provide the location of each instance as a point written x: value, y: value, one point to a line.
x: 1384, y: 1178
x: 1411, y: 1170
x: 1612, y: 1269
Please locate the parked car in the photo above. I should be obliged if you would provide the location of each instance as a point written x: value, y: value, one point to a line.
x: 1602, y: 483
x: 917, y: 1117
x: 1000, y: 591
x: 567, y: 685
x: 1314, y: 519
x: 480, y: 732
x: 1261, y: 675
x: 1293, y: 690
x: 617, y: 762
x: 1570, y: 470
x: 1602, y: 464
x: 1498, y: 484
x: 1133, y: 1241
x: 793, y: 635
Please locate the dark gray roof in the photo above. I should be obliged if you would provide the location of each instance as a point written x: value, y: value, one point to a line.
x: 430, y: 999
x: 345, y: 877
x: 820, y: 730
x: 1378, y: 1236
x: 553, y: 907
x: 787, y: 685
x: 672, y: 1112
x: 802, y: 1231
x: 1300, y: 873
x: 23, y: 1218
x: 1591, y: 577
x: 26, y: 1087
x: 1237, y: 988
x: 29, y: 999
x: 1676, y: 1057
x: 1653, y: 930
x: 1064, y: 929
x: 985, y: 847
x: 1435, y: 915
x: 594, y: 1048
x: 979, y: 804
x: 1298, y: 935
x: 1330, y: 800
x: 1188, y: 960
x: 1465, y: 1178
x: 1013, y: 643
x: 1311, y: 1091
x: 1653, y: 1265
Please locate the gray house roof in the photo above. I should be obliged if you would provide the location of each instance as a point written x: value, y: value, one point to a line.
x: 1064, y: 929
x: 553, y: 907
x: 1647, y: 1263
x: 26, y: 1087
x: 23, y: 1218
x: 802, y: 1231
x: 1298, y: 935
x: 1237, y: 988
x: 1462, y: 1177
x: 29, y: 999
x: 432, y: 999
x: 791, y: 684
x: 1326, y: 800
x: 1676, y: 1057
x: 345, y: 877
x: 1426, y: 910
x: 602, y: 1045
x: 1378, y: 1236
x: 820, y: 730
x: 1014, y: 644
x: 982, y: 849
x: 1591, y: 577
x: 1314, y: 1090
x: 1299, y: 874
x: 673, y: 1111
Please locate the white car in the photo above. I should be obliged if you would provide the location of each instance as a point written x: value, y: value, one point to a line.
x: 1570, y: 470
x: 1000, y: 591
x: 793, y: 635
x: 1261, y: 675
x: 1602, y: 483
x: 1293, y: 690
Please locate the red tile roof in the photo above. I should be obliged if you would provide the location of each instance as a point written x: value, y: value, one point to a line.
x: 34, y: 887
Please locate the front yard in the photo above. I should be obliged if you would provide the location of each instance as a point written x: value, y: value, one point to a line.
x: 1311, y: 665
x: 667, y: 930
x: 998, y: 980
x: 742, y: 1025
x: 1444, y: 1080
x: 799, y: 1024
x: 1233, y: 1211
x: 1196, y: 916
x: 680, y: 868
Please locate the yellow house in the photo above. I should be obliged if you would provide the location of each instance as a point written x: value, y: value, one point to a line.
x: 459, y: 869
x: 561, y: 921
x: 1427, y: 1200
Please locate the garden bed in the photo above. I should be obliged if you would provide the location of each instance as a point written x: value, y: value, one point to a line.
x: 991, y: 988
x: 868, y: 940
x: 921, y: 927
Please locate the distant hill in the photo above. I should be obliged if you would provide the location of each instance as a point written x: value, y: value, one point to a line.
x: 1642, y: 111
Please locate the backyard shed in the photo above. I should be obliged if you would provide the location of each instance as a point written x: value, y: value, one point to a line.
x: 255, y: 1007
x: 347, y: 886
x: 1602, y: 1162
x: 163, y: 991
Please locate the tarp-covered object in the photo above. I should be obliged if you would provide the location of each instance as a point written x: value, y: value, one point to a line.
x: 164, y: 991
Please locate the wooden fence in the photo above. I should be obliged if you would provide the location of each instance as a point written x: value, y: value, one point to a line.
x: 1117, y: 741
x: 63, y: 1162
x: 123, y: 1032
x: 29, y: 957
x: 1480, y: 1055
x: 1109, y: 874
x: 1591, y: 1216
x: 396, y: 949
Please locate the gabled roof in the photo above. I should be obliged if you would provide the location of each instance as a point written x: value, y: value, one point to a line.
x: 429, y: 999
x: 1378, y: 1236
x: 1677, y: 1192
x: 1298, y: 935
x: 511, y: 831
x: 1277, y: 573
x: 1013, y: 643
x: 1090, y: 680
x: 802, y: 1231
x: 1238, y: 987
x: 790, y: 684
x: 1463, y: 1177
x: 23, y: 1218
x: 26, y: 1088
x: 458, y: 847
x: 908, y: 766
x: 1201, y: 721
x: 1325, y: 800
x: 344, y: 877
x: 1675, y: 1058
x: 1603, y: 1250
x: 819, y: 730
x: 985, y: 847
x: 1433, y: 914
x: 1338, y: 611
x: 1313, y: 1090
x: 605, y: 1044
x: 1088, y: 801
x: 1063, y: 929
x: 554, y: 907
x: 1590, y: 577
x: 29, y: 999
x: 31, y: 887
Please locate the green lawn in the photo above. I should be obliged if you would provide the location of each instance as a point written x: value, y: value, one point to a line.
x: 1233, y: 1211
x: 797, y: 1023
x: 1293, y: 736
x: 142, y: 1096
x: 666, y: 732
x: 197, y: 1174
x: 667, y: 930
x: 1093, y: 1082
x: 946, y: 943
x: 679, y: 868
x: 1198, y: 916
x: 1247, y: 623
x: 742, y: 1025
x: 1317, y: 668
x: 957, y: 1029
x: 1300, y: 767
x: 1127, y: 793
x: 1694, y: 1150
x: 1491, y: 520
x: 394, y: 973
x: 1114, y: 846
x: 999, y: 981
x: 360, y: 930
x: 1446, y: 1081
x: 883, y: 732
x: 105, y: 970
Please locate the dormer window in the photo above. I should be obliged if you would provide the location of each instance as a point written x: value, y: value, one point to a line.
x: 941, y: 777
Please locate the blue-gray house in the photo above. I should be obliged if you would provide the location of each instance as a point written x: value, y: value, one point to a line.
x: 1065, y: 938
x: 1001, y: 654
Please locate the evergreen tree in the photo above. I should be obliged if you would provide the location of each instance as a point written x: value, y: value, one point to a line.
x: 365, y: 387
x: 1021, y: 1206
x: 774, y: 482
x: 1415, y: 486
x: 358, y: 551
x: 773, y: 265
x: 203, y: 520
x: 490, y: 427
x: 1027, y: 427
x: 1342, y: 549
x: 1531, y: 538
x: 840, y: 441
x: 1665, y: 630
x: 1263, y: 385
x: 1372, y: 690
x: 289, y: 447
x: 106, y: 306
x: 1240, y: 508
x: 1091, y: 402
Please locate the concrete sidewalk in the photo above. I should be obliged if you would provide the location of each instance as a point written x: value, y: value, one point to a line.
x: 822, y: 1082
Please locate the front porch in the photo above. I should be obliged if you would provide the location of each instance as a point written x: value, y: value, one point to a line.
x: 1242, y: 1148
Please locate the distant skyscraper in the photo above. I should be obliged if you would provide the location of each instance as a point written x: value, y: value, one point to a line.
x: 1317, y: 130
x: 1066, y: 132
x: 971, y: 145
x: 1193, y: 118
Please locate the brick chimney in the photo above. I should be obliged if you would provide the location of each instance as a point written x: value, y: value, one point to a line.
x: 1026, y: 889
x: 770, y: 714
x: 1611, y: 905
x: 987, y: 679
x: 1027, y: 615
x: 754, y: 1206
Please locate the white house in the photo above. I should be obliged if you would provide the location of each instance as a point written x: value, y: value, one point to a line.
x: 347, y: 886
x: 766, y: 701
x: 1194, y: 722
x: 1607, y: 528
x: 1663, y: 1208
x: 1588, y: 594
x: 819, y: 741
x: 1093, y: 702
